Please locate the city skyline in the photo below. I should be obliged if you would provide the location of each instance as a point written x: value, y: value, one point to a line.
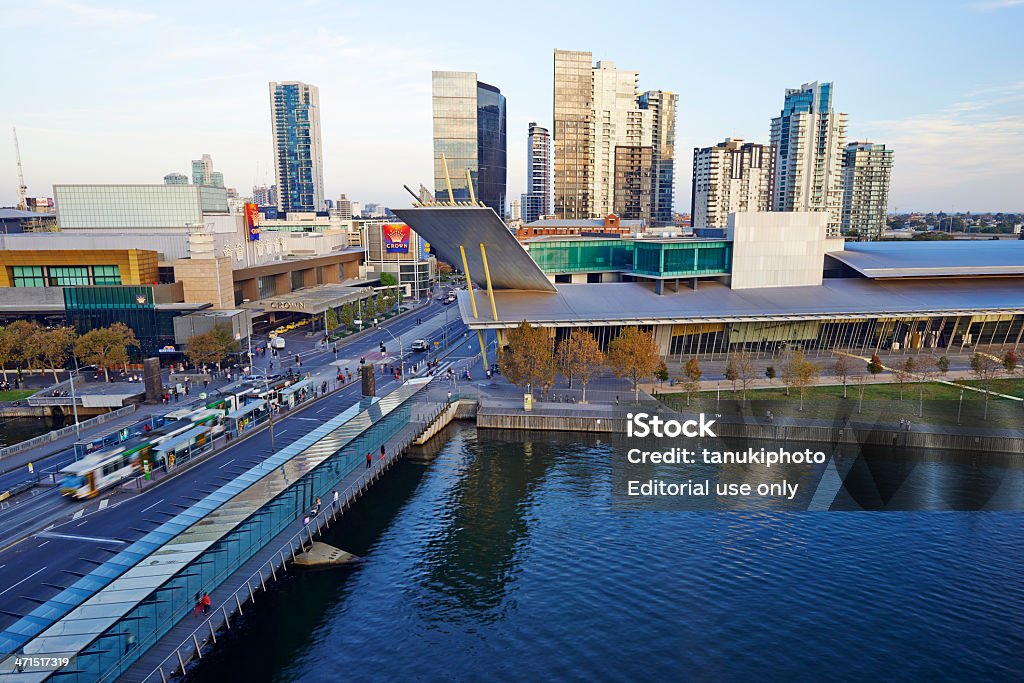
x: 953, y: 113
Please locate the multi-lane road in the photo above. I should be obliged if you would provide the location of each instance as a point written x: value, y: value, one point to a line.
x: 68, y: 539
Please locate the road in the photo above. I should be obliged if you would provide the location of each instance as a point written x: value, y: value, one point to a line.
x: 78, y: 537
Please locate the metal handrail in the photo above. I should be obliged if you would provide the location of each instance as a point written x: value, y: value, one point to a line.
x: 353, y: 489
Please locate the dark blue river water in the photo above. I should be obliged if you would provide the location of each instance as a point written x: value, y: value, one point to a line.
x: 504, y: 559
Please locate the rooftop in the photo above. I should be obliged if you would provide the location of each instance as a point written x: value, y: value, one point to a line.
x: 637, y: 304
x: 933, y: 259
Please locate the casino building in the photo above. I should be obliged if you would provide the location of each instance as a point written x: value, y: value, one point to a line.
x: 774, y: 283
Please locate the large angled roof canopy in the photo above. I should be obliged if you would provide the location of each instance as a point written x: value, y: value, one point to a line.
x: 448, y: 227
x: 933, y: 259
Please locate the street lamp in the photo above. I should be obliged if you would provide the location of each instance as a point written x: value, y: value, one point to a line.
x: 401, y: 353
x: 270, y: 407
x: 959, y: 406
x: 74, y: 401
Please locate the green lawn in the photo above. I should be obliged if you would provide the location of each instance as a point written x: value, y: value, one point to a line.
x: 15, y: 394
x: 880, y: 403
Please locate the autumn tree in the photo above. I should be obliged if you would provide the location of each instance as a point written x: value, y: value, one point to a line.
x: 54, y: 347
x: 27, y: 342
x: 1010, y: 362
x: 223, y: 336
x: 769, y: 372
x: 746, y: 370
x: 580, y: 356
x: 526, y: 360
x: 731, y: 373
x: 903, y: 372
x: 691, y: 377
x: 106, y: 347
x: 634, y: 354
x: 875, y: 366
x: 204, y: 349
x: 985, y: 368
x: 8, y: 347
x: 841, y: 368
x: 799, y: 373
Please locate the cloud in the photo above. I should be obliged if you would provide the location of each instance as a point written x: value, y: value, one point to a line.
x: 101, y: 14
x: 968, y: 152
x: 991, y: 5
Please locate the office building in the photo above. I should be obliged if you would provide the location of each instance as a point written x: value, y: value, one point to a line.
x: 176, y: 179
x: 470, y: 131
x: 866, y: 171
x: 203, y: 173
x: 344, y: 210
x: 663, y: 145
x: 808, y: 137
x: 264, y: 196
x: 138, y: 207
x: 733, y: 176
x: 536, y: 202
x: 515, y: 212
x: 395, y: 248
x: 298, y: 157
x: 573, y: 131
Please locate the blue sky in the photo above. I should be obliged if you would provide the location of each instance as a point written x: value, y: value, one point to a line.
x: 105, y: 91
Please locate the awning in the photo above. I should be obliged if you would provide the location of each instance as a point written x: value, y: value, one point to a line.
x: 311, y: 301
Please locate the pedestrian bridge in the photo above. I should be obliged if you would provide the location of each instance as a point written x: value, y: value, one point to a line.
x: 110, y: 617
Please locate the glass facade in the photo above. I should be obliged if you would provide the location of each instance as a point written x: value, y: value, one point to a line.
x: 537, y: 200
x: 470, y: 130
x: 65, y: 276
x: 266, y: 285
x: 136, y: 206
x: 663, y: 105
x: 298, y: 158
x: 573, y: 134
x: 658, y: 259
x: 87, y: 308
x: 633, y: 175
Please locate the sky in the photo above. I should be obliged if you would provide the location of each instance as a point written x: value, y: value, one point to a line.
x: 125, y: 92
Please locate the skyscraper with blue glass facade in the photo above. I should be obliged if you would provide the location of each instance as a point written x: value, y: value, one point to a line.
x: 663, y: 149
x: 470, y: 130
x: 298, y: 159
x: 808, y: 137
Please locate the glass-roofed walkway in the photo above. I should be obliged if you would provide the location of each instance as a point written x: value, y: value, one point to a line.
x: 110, y: 617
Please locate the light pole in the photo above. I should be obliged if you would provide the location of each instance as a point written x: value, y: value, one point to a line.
x: 718, y: 397
x: 401, y: 353
x: 74, y: 401
x: 270, y: 406
x: 959, y: 405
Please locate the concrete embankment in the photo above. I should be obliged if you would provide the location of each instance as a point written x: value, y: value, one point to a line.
x: 605, y: 419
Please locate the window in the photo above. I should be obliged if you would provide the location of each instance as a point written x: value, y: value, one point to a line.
x: 67, y: 276
x: 106, y: 275
x: 29, y: 276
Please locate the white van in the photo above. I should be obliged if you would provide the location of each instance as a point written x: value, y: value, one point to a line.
x: 277, y: 342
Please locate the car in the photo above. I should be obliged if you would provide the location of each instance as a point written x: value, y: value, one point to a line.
x: 281, y: 330
x: 420, y: 345
x: 277, y: 342
x: 290, y: 326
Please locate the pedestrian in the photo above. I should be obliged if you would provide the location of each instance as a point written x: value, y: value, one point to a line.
x: 369, y: 459
x: 199, y: 605
x: 382, y: 452
x: 616, y: 400
x: 206, y: 603
x: 317, y: 506
x: 449, y: 394
x: 305, y: 520
x: 336, y: 498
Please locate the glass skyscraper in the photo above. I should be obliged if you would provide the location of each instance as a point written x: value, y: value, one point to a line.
x: 470, y: 130
x: 298, y: 159
x: 537, y: 200
x: 663, y: 148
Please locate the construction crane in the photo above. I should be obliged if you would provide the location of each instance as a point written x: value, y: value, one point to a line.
x: 22, y: 189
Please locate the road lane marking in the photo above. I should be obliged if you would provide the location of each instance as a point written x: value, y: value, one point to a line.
x: 22, y: 581
x: 222, y: 466
x: 70, y: 537
x: 78, y: 514
x: 42, y: 544
x: 309, y: 419
x: 152, y: 506
x: 104, y: 503
x: 281, y: 431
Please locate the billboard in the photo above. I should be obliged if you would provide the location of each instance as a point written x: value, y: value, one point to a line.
x: 252, y: 222
x: 396, y: 239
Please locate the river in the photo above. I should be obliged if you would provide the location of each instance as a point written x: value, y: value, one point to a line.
x: 504, y: 558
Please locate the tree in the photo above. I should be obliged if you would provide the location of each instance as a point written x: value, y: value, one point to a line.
x: 55, y: 347
x: 106, y: 347
x: 769, y: 372
x: 799, y: 373
x: 691, y: 377
x: 388, y: 280
x: 634, y: 354
x: 228, y: 343
x: 875, y: 366
x: 204, y: 349
x: 30, y: 343
x: 526, y: 360
x: 745, y: 370
x: 985, y: 368
x: 925, y: 373
x: 731, y: 373
x: 8, y: 347
x: 1010, y: 362
x: 579, y: 356
x: 903, y: 371
x: 347, y: 316
x: 661, y: 374
x: 331, y: 320
x: 443, y: 269
x: 942, y: 365
x: 842, y: 368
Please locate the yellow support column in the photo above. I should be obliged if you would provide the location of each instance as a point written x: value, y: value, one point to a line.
x: 469, y: 183
x: 483, y: 349
x: 490, y: 288
x: 447, y: 180
x: 469, y: 281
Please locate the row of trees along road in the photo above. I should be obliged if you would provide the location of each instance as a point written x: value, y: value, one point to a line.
x: 32, y: 346
x: 210, y: 348
x: 530, y: 359
x: 380, y: 304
